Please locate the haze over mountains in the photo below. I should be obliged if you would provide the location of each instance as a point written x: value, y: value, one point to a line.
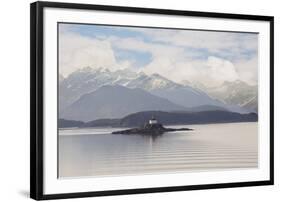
x: 236, y: 93
x: 96, y: 93
x: 88, y: 80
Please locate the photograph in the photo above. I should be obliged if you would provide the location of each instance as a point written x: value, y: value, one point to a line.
x: 137, y: 100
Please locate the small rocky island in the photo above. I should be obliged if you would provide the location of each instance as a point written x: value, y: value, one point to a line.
x: 150, y: 128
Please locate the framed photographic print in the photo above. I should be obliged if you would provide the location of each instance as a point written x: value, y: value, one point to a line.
x: 131, y: 100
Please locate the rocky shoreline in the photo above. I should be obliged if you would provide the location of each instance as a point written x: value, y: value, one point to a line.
x: 150, y: 129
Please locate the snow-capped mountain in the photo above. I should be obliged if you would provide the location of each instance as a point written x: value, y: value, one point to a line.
x: 236, y: 93
x: 252, y: 104
x: 152, y: 82
x: 88, y: 80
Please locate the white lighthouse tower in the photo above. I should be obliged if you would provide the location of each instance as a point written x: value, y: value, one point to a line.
x: 153, y: 121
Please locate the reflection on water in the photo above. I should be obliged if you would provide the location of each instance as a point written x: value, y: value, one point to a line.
x: 96, y: 152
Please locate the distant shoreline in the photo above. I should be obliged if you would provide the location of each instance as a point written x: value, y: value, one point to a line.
x: 166, y: 118
x: 102, y: 127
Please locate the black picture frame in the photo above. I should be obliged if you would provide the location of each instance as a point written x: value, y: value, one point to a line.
x: 36, y: 98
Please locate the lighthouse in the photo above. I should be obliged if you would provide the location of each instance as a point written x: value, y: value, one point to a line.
x: 153, y: 121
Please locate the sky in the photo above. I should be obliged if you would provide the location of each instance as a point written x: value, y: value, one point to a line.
x: 204, y: 57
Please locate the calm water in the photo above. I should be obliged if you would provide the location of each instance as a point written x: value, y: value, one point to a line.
x: 96, y: 152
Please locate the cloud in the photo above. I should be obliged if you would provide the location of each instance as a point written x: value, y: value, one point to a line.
x: 77, y: 51
x: 248, y: 70
x: 229, y: 44
x: 211, y: 72
x: 137, y: 44
x: 178, y: 64
x: 209, y: 58
x: 220, y: 70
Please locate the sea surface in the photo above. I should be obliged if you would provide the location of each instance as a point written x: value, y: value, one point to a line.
x: 96, y: 152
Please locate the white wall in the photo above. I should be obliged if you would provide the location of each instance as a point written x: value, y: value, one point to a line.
x: 14, y: 101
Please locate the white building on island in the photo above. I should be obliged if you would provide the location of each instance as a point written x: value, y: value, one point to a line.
x: 153, y: 121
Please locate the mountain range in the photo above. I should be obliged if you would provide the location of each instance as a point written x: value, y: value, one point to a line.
x: 115, y: 102
x: 98, y: 93
x: 166, y: 118
x: 87, y: 80
x: 234, y: 93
